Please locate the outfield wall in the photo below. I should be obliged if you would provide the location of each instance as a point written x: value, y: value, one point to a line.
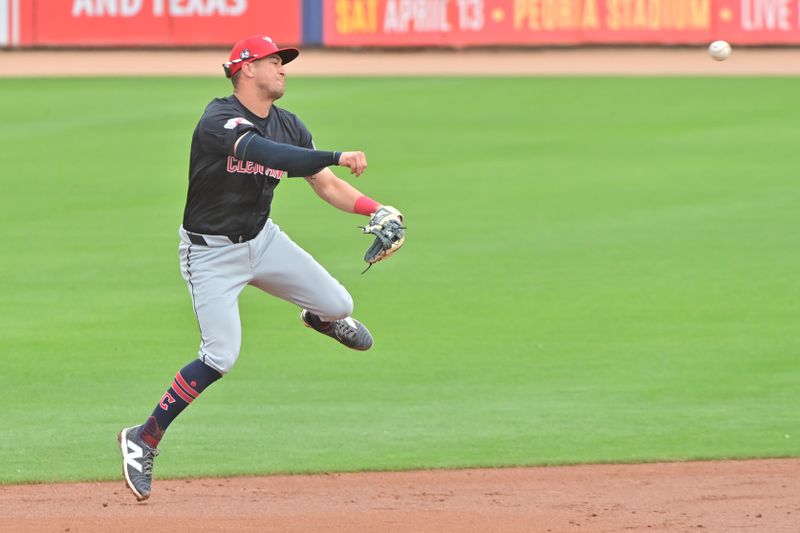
x: 397, y: 23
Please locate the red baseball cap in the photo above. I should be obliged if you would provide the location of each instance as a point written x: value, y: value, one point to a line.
x: 256, y: 47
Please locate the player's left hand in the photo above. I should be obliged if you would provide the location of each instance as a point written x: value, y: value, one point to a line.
x: 386, y: 224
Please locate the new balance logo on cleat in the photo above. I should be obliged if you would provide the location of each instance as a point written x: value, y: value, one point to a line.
x: 137, y: 462
x: 134, y: 452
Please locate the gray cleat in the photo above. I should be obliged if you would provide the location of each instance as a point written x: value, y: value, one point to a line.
x: 348, y: 331
x: 137, y: 462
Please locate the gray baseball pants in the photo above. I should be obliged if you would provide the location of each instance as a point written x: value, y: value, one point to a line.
x: 217, y: 272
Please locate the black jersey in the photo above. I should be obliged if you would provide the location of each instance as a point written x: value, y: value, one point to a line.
x: 228, y: 196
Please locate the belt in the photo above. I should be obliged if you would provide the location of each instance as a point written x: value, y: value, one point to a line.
x: 216, y: 240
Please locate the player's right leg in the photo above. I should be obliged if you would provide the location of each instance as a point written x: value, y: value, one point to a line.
x: 214, y: 277
x: 284, y: 269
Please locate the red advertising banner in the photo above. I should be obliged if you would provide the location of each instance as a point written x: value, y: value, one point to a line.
x: 460, y: 23
x: 157, y: 22
x: 452, y: 23
x: 758, y: 21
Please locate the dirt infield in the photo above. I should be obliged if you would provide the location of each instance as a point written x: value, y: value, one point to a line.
x: 761, y: 496
x: 723, y: 496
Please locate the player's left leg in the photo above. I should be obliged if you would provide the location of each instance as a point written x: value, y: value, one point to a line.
x: 284, y: 269
x: 214, y: 276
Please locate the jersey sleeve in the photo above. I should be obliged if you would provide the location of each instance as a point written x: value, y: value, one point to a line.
x: 221, y: 126
x: 304, y: 136
x: 300, y: 136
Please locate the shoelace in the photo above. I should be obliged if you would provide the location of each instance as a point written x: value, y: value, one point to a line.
x: 147, y: 461
x: 343, y: 330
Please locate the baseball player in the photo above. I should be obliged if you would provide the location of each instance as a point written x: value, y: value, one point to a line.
x: 242, y: 148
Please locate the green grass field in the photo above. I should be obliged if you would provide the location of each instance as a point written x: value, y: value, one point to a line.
x: 596, y: 270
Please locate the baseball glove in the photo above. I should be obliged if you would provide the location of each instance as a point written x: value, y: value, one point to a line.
x: 386, y: 225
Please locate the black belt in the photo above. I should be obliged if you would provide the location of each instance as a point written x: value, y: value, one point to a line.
x: 196, y: 238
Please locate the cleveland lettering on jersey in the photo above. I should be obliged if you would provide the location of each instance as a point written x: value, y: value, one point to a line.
x: 235, y: 166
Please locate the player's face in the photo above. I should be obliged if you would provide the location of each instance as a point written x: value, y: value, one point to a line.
x: 270, y: 76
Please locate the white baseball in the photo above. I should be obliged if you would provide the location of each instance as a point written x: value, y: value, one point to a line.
x: 719, y: 50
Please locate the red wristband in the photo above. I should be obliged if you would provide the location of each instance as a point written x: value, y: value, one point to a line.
x: 365, y: 206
